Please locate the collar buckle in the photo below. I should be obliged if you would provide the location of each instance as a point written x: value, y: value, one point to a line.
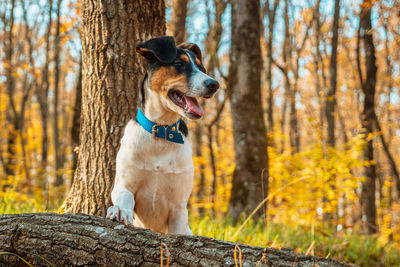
x: 154, y: 130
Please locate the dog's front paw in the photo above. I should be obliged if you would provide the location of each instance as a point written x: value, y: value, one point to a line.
x: 122, y: 215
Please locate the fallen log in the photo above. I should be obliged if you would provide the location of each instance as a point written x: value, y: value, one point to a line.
x: 46, y: 239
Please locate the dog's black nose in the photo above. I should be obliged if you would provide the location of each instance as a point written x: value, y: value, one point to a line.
x: 212, y: 85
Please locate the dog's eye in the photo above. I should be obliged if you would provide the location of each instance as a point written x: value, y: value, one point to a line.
x: 178, y: 65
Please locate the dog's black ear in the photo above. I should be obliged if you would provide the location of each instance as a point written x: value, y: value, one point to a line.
x: 162, y: 49
x: 193, y: 48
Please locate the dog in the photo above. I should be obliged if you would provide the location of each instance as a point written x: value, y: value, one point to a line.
x: 154, y: 166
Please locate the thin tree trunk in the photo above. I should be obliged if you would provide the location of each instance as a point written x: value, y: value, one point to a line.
x: 389, y: 156
x: 389, y: 73
x: 286, y: 56
x: 178, y: 20
x: 10, y: 87
x: 251, y: 156
x: 330, y: 102
x: 294, y: 134
x: 213, y: 166
x: 214, y: 36
x: 317, y: 62
x: 111, y: 74
x: 268, y: 68
x: 212, y: 46
x: 211, y: 152
x: 76, y: 120
x: 284, y: 111
x: 343, y: 128
x: 368, y: 87
x: 42, y: 93
x: 56, y: 142
x: 198, y: 135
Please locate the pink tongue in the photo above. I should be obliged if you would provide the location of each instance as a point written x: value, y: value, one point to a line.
x: 194, y: 106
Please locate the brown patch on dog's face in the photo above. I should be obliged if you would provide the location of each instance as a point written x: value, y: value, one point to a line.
x: 165, y: 78
x: 184, y: 58
x: 180, y: 81
x: 142, y: 49
x: 198, y: 62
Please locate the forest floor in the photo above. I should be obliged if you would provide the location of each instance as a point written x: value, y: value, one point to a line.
x: 347, y: 246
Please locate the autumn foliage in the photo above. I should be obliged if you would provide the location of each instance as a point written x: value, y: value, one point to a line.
x: 315, y: 187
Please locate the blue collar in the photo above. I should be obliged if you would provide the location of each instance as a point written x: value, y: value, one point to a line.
x: 168, y: 132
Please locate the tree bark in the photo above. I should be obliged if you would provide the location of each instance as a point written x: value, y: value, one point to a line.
x: 294, y: 132
x: 56, y: 142
x: 330, y: 101
x: 212, y: 45
x: 286, y: 58
x: 42, y: 93
x: 368, y: 88
x: 86, y: 240
x: 250, y: 178
x: 392, y: 163
x: 198, y: 140
x: 10, y: 88
x: 178, y: 20
x: 330, y: 104
x: 76, y: 120
x: 390, y: 130
x: 111, y: 75
x: 211, y: 153
x: 317, y: 62
x: 268, y: 68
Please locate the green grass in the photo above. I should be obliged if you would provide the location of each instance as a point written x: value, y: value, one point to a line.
x: 348, y: 247
x: 11, y: 203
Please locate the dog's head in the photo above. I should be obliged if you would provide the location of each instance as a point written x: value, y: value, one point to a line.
x: 177, y: 74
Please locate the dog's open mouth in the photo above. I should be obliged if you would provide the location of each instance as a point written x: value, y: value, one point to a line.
x: 189, y: 104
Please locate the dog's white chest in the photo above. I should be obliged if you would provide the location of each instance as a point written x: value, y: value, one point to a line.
x: 158, y: 173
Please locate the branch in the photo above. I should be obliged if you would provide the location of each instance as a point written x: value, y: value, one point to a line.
x: 219, y: 111
x: 281, y: 68
x: 83, y: 240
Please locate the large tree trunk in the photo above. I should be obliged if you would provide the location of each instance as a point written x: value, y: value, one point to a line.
x: 111, y: 75
x: 250, y: 178
x: 85, y: 240
x: 368, y: 113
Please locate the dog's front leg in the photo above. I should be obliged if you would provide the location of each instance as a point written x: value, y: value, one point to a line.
x: 178, y: 221
x: 124, y: 204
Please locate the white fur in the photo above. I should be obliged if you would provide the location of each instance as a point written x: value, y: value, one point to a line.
x: 196, y: 82
x: 154, y: 177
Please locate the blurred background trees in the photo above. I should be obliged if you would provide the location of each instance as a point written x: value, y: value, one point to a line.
x: 307, y: 115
